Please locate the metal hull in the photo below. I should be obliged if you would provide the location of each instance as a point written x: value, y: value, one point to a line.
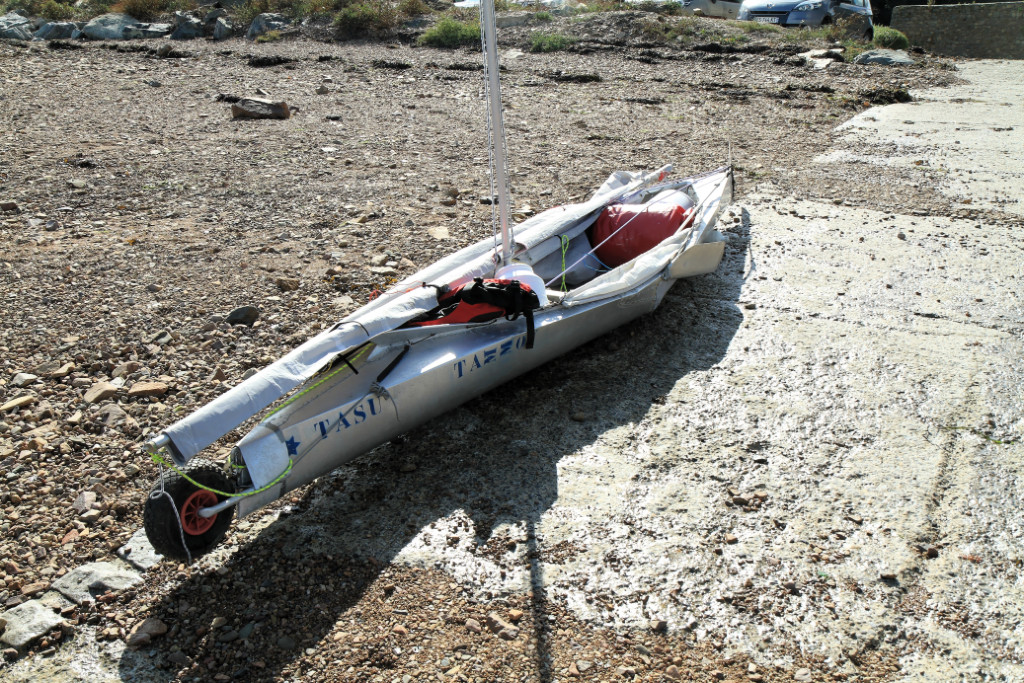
x: 344, y: 418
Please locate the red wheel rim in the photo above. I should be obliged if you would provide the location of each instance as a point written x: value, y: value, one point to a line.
x: 191, y: 521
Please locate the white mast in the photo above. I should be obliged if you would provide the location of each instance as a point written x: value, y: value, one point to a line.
x: 496, y: 129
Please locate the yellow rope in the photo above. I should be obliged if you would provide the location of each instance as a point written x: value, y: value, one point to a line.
x: 160, y: 461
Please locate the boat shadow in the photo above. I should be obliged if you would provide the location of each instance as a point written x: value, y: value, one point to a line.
x: 455, y: 495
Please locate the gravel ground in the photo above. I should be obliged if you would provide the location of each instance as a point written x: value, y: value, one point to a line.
x: 144, y: 211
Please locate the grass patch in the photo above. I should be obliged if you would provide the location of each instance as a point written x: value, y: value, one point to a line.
x: 607, y: 6
x: 56, y: 11
x: 365, y: 19
x: 542, y: 16
x: 451, y: 33
x: 550, y: 42
x: 143, y: 10
x: 757, y: 27
x: 269, y: 37
x: 413, y: 8
x: 890, y: 38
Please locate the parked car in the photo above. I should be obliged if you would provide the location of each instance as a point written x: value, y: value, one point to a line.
x: 726, y: 9
x: 855, y: 13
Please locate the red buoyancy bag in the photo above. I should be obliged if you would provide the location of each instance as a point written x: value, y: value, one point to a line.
x: 646, y: 228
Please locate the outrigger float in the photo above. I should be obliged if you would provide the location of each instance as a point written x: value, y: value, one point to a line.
x: 452, y: 331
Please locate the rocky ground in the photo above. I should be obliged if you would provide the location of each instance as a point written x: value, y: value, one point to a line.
x: 138, y: 214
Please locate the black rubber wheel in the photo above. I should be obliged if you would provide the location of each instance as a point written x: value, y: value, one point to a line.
x: 165, y: 527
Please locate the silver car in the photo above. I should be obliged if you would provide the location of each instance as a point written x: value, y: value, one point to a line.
x: 856, y: 14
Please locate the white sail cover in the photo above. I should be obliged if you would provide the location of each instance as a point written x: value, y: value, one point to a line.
x: 404, y: 301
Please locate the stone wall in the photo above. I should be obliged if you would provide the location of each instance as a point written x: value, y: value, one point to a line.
x: 990, y: 30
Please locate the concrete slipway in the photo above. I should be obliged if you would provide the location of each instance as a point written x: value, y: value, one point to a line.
x: 817, y: 450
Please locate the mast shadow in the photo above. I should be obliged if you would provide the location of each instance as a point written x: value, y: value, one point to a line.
x: 464, y: 495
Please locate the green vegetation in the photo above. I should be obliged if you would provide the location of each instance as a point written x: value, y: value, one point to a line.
x: 451, y: 33
x: 755, y: 27
x: 890, y: 38
x: 368, y: 18
x: 542, y: 16
x: 607, y: 6
x: 550, y: 42
x: 294, y: 9
x: 413, y: 8
x: 143, y: 10
x: 56, y: 11
x: 269, y: 37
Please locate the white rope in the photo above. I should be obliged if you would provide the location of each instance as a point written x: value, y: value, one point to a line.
x: 177, y: 516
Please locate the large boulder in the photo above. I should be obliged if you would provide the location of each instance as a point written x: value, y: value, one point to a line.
x: 186, y: 27
x: 887, y: 57
x: 56, y: 30
x: 147, y: 31
x: 15, y: 27
x: 267, y: 22
x: 223, y: 29
x: 109, y: 26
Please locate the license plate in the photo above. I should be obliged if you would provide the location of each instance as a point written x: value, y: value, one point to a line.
x: 766, y: 20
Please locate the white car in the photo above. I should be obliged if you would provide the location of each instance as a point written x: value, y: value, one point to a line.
x: 726, y: 9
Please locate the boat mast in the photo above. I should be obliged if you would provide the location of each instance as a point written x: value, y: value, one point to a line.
x: 496, y: 127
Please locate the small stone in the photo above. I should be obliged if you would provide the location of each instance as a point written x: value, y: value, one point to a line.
x: 739, y: 500
x: 286, y: 643
x: 672, y: 672
x: 243, y: 315
x: 138, y: 639
x: 731, y: 538
x: 179, y: 658
x: 32, y: 589
x: 9, y: 206
x: 26, y: 622
x: 500, y: 626
x: 228, y: 636
x: 323, y: 89
x: 514, y: 615
x: 99, y: 392
x: 154, y: 288
x: 579, y: 417
x: 18, y: 403
x: 583, y: 665
x: 84, y: 502
x: 659, y: 625
x: 626, y: 671
x: 125, y: 369
x: 218, y: 622
x: 91, y: 516
x: 85, y: 582
x: 400, y: 630
x: 147, y: 389
x: 802, y: 675
x: 473, y: 626
x: 287, y: 284
x: 23, y: 379
x: 258, y: 108
x: 573, y: 670
x: 888, y: 576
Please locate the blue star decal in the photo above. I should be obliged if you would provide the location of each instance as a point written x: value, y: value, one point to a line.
x: 293, y: 445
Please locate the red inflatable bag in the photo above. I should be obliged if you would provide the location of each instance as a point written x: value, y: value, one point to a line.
x: 644, y: 229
